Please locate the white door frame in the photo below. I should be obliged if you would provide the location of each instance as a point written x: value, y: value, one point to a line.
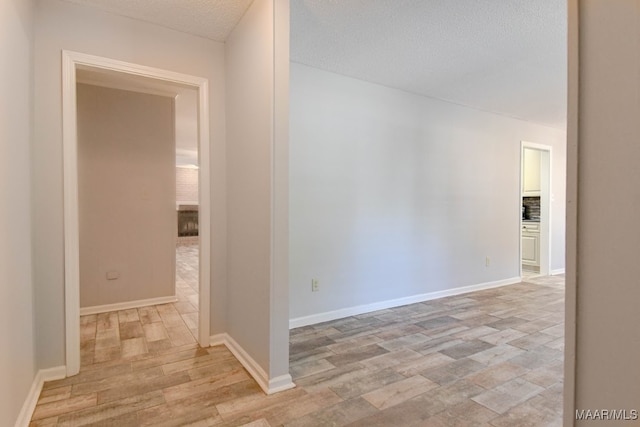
x: 545, y: 205
x: 71, y: 61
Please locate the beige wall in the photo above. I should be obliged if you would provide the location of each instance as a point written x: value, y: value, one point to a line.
x: 126, y: 193
x: 62, y: 25
x: 257, y: 302
x: 17, y: 356
x: 603, y: 200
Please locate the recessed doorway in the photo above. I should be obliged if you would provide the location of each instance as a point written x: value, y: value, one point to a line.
x: 73, y: 63
x: 535, y: 209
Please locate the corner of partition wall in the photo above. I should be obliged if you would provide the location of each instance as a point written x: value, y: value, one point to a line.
x: 571, y: 281
x: 71, y: 221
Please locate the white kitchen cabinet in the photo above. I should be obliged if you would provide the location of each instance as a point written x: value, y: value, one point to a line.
x: 531, y: 244
x: 531, y: 173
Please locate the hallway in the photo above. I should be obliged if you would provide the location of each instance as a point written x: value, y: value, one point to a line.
x: 187, y: 286
x: 146, y: 330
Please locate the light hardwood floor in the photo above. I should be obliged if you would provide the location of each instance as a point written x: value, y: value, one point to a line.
x: 488, y: 358
x: 187, y: 286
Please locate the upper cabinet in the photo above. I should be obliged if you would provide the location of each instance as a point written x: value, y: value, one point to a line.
x: 531, y: 173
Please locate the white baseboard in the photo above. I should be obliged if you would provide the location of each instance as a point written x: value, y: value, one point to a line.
x: 281, y: 383
x: 51, y: 374
x: 269, y: 386
x: 218, y: 339
x: 557, y: 271
x: 127, y: 305
x: 367, y: 308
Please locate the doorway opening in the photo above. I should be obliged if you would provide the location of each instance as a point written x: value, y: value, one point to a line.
x: 148, y: 80
x: 187, y: 208
x: 535, y: 210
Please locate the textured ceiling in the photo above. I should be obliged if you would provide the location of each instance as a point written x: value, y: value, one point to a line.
x: 213, y: 19
x: 503, y: 56
x: 507, y: 57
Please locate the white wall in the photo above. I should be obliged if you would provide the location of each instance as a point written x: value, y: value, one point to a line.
x: 395, y: 195
x: 186, y: 185
x: 17, y: 357
x: 187, y: 127
x: 280, y: 200
x: 257, y: 307
x: 127, y: 195
x: 62, y: 25
x: 602, y: 283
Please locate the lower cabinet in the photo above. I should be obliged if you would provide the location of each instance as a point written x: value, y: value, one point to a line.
x: 531, y: 244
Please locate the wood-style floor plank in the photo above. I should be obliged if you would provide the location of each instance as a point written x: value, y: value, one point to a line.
x: 491, y: 358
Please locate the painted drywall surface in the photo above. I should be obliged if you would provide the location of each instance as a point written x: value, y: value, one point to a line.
x: 250, y: 147
x: 280, y: 231
x: 126, y: 194
x: 186, y: 185
x: 608, y: 154
x: 249, y: 71
x: 395, y: 195
x: 573, y: 84
x: 17, y: 357
x: 187, y: 128
x: 61, y: 25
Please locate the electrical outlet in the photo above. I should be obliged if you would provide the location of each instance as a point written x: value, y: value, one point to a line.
x: 113, y: 275
x: 315, y: 285
x: 487, y: 262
